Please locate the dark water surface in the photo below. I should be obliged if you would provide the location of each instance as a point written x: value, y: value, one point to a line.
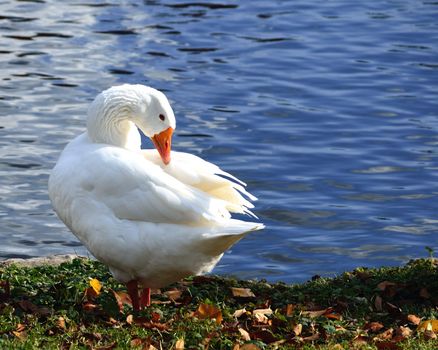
x: 327, y: 109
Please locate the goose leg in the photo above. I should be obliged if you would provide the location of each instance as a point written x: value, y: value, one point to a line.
x: 132, y: 287
x: 145, y: 298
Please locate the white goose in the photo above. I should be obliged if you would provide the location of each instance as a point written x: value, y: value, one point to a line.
x: 151, y: 220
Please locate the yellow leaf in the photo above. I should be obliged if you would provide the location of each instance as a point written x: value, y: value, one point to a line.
x: 61, y: 322
x: 179, y: 345
x: 209, y: 311
x: 428, y: 325
x: 297, y: 329
x: 95, y: 284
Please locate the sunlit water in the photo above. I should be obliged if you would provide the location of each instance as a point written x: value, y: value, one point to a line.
x: 327, y: 109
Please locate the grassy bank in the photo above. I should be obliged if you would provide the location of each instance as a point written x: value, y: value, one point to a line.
x: 79, y: 305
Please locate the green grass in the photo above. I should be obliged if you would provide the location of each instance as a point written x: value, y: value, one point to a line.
x: 46, y: 307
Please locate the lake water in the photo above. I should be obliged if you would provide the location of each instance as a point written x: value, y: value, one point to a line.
x: 327, y: 109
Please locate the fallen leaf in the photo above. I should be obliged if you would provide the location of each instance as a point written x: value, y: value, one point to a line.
x: 333, y: 315
x: 209, y: 311
x: 249, y: 347
x: 290, y: 308
x: 373, y: 326
x: 155, y: 316
x: 382, y: 286
x: 386, y: 335
x: 404, y: 332
x: 378, y: 303
x: 122, y: 298
x: 429, y: 335
x: 314, y: 314
x: 107, y: 347
x: 20, y: 335
x: 297, y: 329
x: 96, y: 285
x: 28, y: 306
x: 312, y: 337
x: 87, y: 306
x: 136, y: 342
x: 179, y: 345
x: 239, y: 313
x: 261, y: 314
x: 174, y: 294
x: 61, y: 323
x: 414, y: 319
x: 129, y: 319
x: 20, y: 327
x: 242, y: 292
x: 360, y: 340
x: 245, y: 335
x: 428, y: 325
x: 20, y: 331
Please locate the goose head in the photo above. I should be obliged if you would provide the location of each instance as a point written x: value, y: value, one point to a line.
x: 116, y: 113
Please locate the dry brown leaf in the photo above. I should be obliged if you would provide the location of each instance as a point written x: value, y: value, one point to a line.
x: 374, y: 326
x: 174, y: 294
x: 242, y: 292
x: 149, y: 347
x: 312, y: 337
x: 136, y: 342
x: 87, y: 306
x: 297, y: 329
x: 249, y: 347
x: 122, y: 298
x: 360, y: 340
x: 404, y: 332
x: 314, y: 314
x: 179, y: 345
x: 129, y: 319
x: 378, y: 303
x: 382, y: 286
x: 239, y: 313
x: 333, y: 316
x: 386, y: 335
x: 236, y: 346
x: 209, y: 311
x: 245, y: 335
x: 429, y: 335
x: 20, y: 327
x: 290, y: 308
x: 28, y: 306
x: 61, y: 323
x: 107, y: 347
x: 261, y: 314
x: 414, y: 319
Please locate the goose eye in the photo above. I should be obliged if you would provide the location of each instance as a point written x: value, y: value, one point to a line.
x: 162, y: 117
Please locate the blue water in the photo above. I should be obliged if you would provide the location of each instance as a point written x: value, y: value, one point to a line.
x: 327, y: 109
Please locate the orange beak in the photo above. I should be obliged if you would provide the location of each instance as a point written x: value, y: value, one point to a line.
x: 162, y: 143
